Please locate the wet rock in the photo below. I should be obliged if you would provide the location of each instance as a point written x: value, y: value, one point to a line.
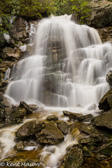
x: 11, y: 53
x: 106, y: 149
x: 86, y: 118
x: 50, y: 134
x: 109, y: 77
x: 90, y: 130
x: 73, y: 158
x: 5, y: 102
x: 29, y: 129
x: 106, y: 101
x: 104, y: 120
x: 77, y: 116
x: 4, y: 65
x: 14, y: 115
x: 21, y: 145
x: 63, y: 126
x: 75, y: 132
x: 29, y: 108
x: 52, y: 118
x: 71, y: 115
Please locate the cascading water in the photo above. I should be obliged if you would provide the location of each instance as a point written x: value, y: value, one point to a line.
x: 68, y: 68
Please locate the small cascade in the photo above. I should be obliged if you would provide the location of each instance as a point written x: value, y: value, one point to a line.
x: 68, y: 67
x: 7, y: 74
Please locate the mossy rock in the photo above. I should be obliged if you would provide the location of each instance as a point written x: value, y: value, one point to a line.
x: 73, y: 159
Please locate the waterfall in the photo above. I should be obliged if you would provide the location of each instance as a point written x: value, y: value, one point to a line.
x: 68, y: 67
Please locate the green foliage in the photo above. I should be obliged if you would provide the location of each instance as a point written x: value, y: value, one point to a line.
x: 81, y: 8
x: 27, y: 8
x: 36, y: 9
x: 62, y: 7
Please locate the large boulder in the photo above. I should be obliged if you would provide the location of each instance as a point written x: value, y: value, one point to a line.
x: 29, y: 108
x: 28, y: 129
x: 100, y: 12
x: 106, y: 101
x: 63, y: 126
x: 50, y: 134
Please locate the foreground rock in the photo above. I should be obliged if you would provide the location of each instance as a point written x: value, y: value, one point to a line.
x: 77, y: 116
x: 73, y: 158
x: 29, y: 129
x: 44, y: 132
x: 21, y: 145
x: 106, y: 101
x: 50, y: 134
x: 10, y: 115
x: 63, y: 126
x: 104, y: 120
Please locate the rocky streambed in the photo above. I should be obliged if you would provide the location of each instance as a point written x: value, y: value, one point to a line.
x: 57, y: 139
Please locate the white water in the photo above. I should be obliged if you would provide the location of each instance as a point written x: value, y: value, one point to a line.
x: 55, y: 153
x: 7, y: 136
x: 71, y: 58
x: 70, y: 63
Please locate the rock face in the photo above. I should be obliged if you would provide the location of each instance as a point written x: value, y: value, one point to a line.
x: 100, y: 12
x: 11, y: 43
x: 11, y: 53
x: 106, y: 102
x: 19, y: 32
x: 105, y: 34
